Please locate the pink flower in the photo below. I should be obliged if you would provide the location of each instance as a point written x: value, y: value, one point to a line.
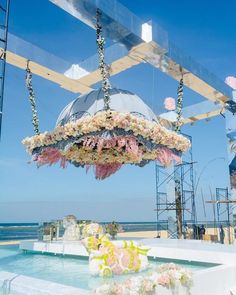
x: 169, y: 103
x: 50, y: 156
x: 164, y: 280
x: 105, y: 170
x: 165, y: 156
x: 231, y: 81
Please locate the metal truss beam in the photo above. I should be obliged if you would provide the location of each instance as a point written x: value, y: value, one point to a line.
x: 44, y: 72
x: 121, y: 25
x: 199, y: 111
x: 53, y: 69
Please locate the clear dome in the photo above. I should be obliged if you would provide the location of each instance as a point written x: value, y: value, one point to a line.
x: 92, y: 102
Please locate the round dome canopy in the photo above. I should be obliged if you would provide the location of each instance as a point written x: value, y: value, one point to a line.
x: 92, y: 102
x: 87, y: 134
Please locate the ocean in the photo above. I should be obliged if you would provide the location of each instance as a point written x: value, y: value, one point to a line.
x: 18, y: 231
x: 21, y: 231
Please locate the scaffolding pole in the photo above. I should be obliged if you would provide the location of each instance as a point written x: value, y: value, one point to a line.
x: 4, y: 20
x: 223, y: 209
x: 180, y: 200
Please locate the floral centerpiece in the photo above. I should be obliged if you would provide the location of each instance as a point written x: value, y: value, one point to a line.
x: 108, y: 258
x: 113, y: 229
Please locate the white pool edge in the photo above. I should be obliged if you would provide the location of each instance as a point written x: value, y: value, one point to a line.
x: 217, y: 280
x: 25, y: 285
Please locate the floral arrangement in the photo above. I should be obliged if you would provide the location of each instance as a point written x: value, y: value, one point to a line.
x: 231, y: 81
x: 113, y: 229
x: 169, y: 276
x: 169, y: 104
x: 120, y: 257
x: 179, y: 107
x: 107, y: 140
x: 92, y: 229
x: 32, y: 100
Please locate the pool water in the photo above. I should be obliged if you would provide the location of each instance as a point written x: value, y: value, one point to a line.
x: 71, y: 271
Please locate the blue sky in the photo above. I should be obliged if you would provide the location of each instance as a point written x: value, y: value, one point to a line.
x: 203, y: 30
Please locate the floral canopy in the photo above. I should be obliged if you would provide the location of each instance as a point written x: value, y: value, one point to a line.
x: 127, y: 133
x: 105, y: 128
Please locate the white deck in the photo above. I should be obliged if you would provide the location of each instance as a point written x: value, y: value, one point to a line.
x: 218, y: 280
x: 190, y: 250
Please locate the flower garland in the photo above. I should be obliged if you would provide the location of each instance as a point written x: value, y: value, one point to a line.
x: 100, y: 40
x: 179, y: 105
x: 169, y: 276
x: 107, y: 143
x: 92, y: 124
x: 35, y: 120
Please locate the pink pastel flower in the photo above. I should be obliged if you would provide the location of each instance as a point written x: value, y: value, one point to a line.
x: 231, y: 81
x: 169, y: 103
x: 164, y: 280
x: 105, y: 170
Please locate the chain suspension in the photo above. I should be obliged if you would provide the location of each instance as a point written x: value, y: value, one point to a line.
x: 29, y: 85
x: 179, y: 107
x: 103, y: 67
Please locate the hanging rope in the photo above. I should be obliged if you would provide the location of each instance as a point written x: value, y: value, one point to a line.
x: 28, y: 81
x: 103, y: 67
x: 179, y: 107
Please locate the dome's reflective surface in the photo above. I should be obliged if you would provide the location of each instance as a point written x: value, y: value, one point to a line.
x: 92, y: 102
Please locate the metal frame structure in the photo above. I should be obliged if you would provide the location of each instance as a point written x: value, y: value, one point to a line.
x: 4, y: 18
x: 224, y: 209
x: 183, y: 202
x: 135, y: 42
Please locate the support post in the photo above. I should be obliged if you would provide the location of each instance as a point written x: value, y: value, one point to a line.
x: 231, y: 146
x: 4, y: 9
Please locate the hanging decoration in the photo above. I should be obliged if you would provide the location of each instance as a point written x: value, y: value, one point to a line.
x: 106, y: 129
x: 179, y: 108
x: 103, y: 67
x: 28, y: 80
x: 169, y: 104
x: 231, y: 81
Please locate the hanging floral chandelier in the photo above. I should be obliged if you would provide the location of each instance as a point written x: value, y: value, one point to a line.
x: 106, y: 129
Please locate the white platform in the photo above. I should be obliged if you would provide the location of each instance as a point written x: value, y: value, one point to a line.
x: 190, y: 250
x: 55, y: 247
x: 218, y: 280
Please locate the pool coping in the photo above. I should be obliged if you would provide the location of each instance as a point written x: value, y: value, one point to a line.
x: 21, y: 284
x: 219, y: 277
x: 194, y: 251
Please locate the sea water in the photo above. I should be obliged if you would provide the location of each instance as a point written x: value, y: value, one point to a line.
x: 20, y: 231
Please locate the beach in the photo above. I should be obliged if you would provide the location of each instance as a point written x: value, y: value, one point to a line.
x: 211, y: 235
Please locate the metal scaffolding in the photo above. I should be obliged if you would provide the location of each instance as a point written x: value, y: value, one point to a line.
x: 183, y: 203
x: 224, y: 210
x: 4, y: 17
